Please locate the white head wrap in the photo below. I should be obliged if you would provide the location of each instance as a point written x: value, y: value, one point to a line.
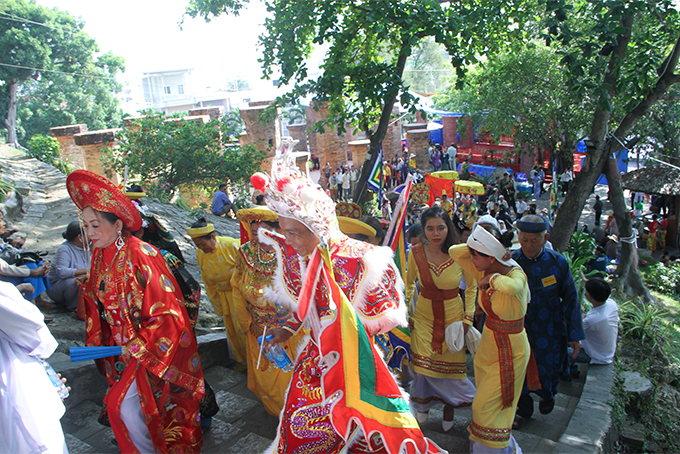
x: 483, y: 241
x: 486, y: 219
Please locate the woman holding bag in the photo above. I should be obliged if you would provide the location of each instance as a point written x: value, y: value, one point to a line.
x: 439, y: 374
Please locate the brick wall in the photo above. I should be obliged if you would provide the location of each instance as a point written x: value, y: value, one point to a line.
x: 298, y: 132
x: 266, y: 137
x: 92, y: 143
x: 417, y: 143
x: 69, y: 149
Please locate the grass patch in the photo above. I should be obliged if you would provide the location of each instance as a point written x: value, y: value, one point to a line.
x: 649, y: 343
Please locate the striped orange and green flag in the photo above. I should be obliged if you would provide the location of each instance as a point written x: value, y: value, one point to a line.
x: 363, y: 393
x: 395, y: 238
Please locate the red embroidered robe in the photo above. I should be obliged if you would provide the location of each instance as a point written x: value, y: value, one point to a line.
x: 133, y: 300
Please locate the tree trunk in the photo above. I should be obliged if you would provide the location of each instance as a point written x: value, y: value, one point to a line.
x: 580, y: 189
x: 377, y: 137
x: 628, y: 277
x: 596, y: 159
x: 11, y: 120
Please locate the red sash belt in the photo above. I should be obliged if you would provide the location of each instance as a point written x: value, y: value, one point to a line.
x: 429, y: 290
x: 501, y: 333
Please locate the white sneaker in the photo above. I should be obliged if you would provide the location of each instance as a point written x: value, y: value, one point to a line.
x: 421, y: 417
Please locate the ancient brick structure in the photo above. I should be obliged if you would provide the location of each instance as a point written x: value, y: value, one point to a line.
x: 359, y: 148
x: 417, y: 143
x: 215, y: 113
x: 411, y: 126
x: 266, y: 137
x: 450, y: 130
x: 69, y: 149
x: 329, y: 146
x: 91, y: 143
x: 299, y: 132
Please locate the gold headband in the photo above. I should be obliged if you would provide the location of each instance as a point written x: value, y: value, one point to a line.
x: 200, y: 231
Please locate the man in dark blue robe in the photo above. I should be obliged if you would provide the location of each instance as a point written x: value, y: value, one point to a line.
x: 553, y: 319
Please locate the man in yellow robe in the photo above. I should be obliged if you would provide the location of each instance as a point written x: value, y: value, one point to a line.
x: 216, y: 256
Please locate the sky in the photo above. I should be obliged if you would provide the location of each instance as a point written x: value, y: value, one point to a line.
x: 147, y: 35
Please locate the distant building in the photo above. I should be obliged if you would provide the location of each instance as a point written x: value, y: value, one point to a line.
x: 169, y: 91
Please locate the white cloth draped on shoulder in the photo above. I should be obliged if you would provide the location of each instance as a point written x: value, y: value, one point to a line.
x: 30, y: 407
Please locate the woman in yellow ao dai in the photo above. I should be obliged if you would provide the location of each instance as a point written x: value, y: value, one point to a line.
x: 439, y: 374
x: 216, y: 256
x: 503, y: 352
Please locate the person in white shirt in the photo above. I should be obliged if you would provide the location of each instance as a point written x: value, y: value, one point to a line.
x: 566, y: 178
x: 30, y: 407
x: 453, y: 156
x: 600, y: 325
x: 520, y: 206
x: 346, y: 186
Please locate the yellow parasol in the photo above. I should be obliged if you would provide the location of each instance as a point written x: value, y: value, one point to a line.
x: 469, y: 187
x: 446, y: 174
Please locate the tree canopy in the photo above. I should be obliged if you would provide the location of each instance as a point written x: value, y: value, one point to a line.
x: 170, y: 152
x: 368, y: 46
x: 50, y: 74
x: 523, y: 93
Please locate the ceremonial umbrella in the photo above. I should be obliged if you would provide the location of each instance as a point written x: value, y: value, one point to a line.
x: 469, y: 187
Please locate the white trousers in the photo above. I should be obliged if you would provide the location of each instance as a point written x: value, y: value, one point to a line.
x: 478, y: 448
x: 133, y: 418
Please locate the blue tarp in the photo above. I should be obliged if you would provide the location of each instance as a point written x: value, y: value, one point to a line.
x: 621, y: 163
x: 483, y: 170
x: 437, y: 135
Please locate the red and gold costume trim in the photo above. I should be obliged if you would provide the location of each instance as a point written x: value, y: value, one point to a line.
x: 501, y: 331
x: 443, y: 367
x: 490, y: 433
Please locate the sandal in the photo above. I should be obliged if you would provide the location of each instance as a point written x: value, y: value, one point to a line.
x: 518, y: 423
x: 546, y: 406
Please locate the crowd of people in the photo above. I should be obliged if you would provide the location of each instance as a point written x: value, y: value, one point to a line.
x: 481, y: 279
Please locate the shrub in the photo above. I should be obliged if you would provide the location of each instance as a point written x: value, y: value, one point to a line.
x: 664, y: 279
x: 5, y: 188
x: 639, y: 322
x: 47, y: 149
x: 170, y: 152
x: 581, y: 249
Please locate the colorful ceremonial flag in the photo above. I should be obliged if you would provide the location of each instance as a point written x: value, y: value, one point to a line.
x: 357, y: 381
x: 375, y: 178
x: 395, y: 237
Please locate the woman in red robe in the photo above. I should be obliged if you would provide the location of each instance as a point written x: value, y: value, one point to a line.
x: 132, y: 300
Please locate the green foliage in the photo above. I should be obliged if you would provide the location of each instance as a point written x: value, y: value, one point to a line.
x: 428, y: 68
x: 640, y: 322
x: 660, y: 131
x: 169, y: 153
x: 294, y: 113
x: 47, y: 149
x: 233, y: 123
x: 543, y: 114
x: 71, y: 83
x: 44, y: 148
x: 664, y: 279
x: 5, y: 188
x: 581, y: 249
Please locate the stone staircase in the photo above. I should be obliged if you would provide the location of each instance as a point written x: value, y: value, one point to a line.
x: 242, y: 425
